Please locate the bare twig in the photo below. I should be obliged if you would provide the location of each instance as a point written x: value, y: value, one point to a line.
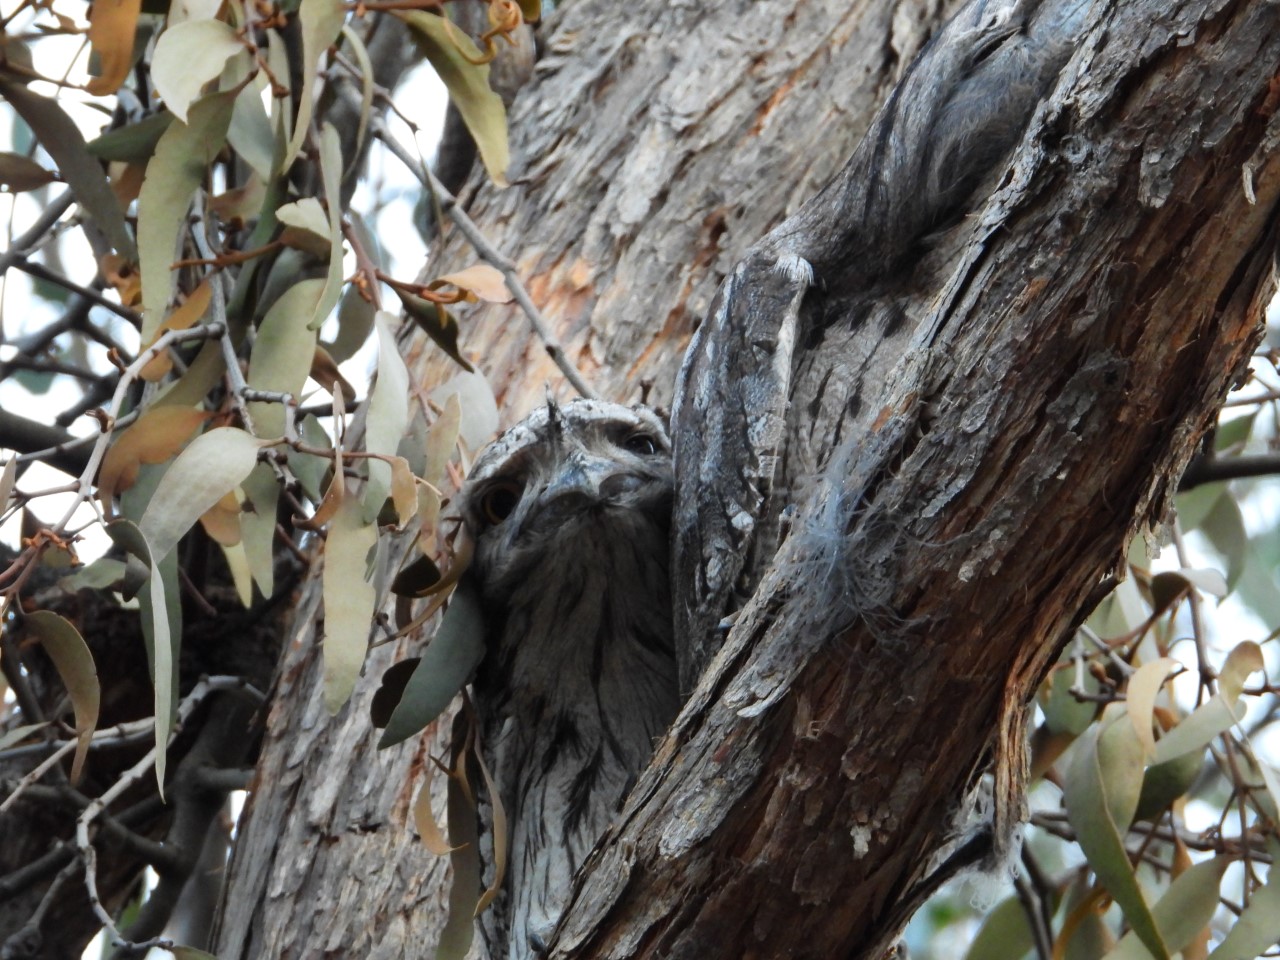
x: 491, y: 255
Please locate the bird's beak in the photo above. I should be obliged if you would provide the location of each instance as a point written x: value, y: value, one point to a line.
x: 578, y: 478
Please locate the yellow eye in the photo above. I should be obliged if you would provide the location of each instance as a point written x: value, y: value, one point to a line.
x: 500, y: 501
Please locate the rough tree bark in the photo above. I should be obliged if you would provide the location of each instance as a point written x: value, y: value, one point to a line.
x: 1049, y: 364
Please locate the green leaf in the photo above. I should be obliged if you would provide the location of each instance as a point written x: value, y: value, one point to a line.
x: 250, y: 133
x: 446, y: 667
x: 320, y: 22
x: 1257, y: 929
x: 1216, y: 715
x: 331, y: 174
x: 211, y: 466
x: 8, y: 479
x: 349, y: 600
x: 479, y: 408
x: 355, y: 320
x: 61, y: 138
x: 258, y: 525
x: 74, y: 663
x: 307, y: 467
x: 468, y: 84
x: 20, y: 174
x: 388, y: 416
x: 162, y: 629
x: 437, y: 323
x: 187, y: 56
x: 464, y: 859
x: 134, y: 143
x: 181, y: 159
x: 1101, y: 795
x: 1004, y: 935
x: 1224, y: 526
x: 1185, y: 909
x: 282, y: 353
x: 102, y: 573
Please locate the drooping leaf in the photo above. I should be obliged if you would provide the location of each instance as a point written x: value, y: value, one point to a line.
x: 331, y: 176
x: 355, y: 320
x: 1257, y: 929
x: 282, y: 354
x: 154, y: 437
x: 222, y: 521
x: 320, y: 22
x: 478, y: 407
x: 183, y: 317
x: 325, y: 372
x: 112, y: 25
x: 437, y: 323
x: 1140, y: 695
x: 464, y: 859
x: 349, y: 601
x: 133, y: 143
x: 1004, y: 934
x: 258, y: 525
x: 74, y: 663
x: 181, y: 158
x: 1101, y: 793
x: 19, y: 174
x: 8, y: 480
x: 213, y: 465
x: 446, y: 666
x: 441, y: 440
x: 416, y: 579
x: 390, y: 690
x: 102, y: 573
x: 430, y: 832
x: 388, y: 416
x: 1217, y: 714
x: 61, y: 138
x: 161, y: 627
x: 307, y: 216
x: 250, y: 133
x: 468, y: 84
x: 187, y: 56
x: 1185, y: 909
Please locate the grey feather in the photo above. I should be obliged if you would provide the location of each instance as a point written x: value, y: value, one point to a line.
x: 570, y: 513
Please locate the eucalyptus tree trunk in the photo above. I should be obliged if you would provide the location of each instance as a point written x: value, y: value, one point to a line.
x: 976, y: 427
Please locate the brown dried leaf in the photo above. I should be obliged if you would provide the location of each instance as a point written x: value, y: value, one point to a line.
x: 156, y: 436
x: 326, y: 373
x: 222, y: 521
x: 484, y: 281
x: 112, y: 24
x: 181, y: 318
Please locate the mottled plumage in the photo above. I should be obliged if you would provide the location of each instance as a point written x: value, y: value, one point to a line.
x: 570, y: 514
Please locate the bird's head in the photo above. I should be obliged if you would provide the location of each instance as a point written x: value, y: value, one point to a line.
x: 562, y: 479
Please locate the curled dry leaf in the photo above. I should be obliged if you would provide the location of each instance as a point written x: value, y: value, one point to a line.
x: 486, y: 282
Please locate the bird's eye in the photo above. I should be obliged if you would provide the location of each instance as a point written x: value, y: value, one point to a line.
x: 500, y: 500
x: 640, y: 443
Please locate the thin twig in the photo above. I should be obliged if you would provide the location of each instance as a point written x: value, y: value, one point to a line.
x: 84, y: 843
x: 491, y: 255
